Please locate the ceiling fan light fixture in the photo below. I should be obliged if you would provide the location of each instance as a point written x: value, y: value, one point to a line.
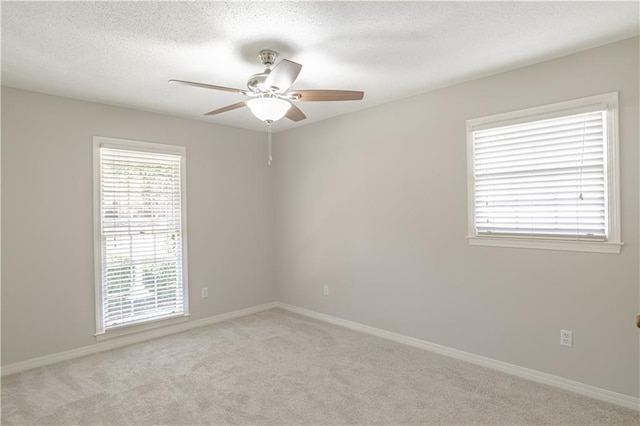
x: 268, y: 109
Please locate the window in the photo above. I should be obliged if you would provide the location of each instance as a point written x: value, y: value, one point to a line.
x: 546, y: 177
x: 140, y: 234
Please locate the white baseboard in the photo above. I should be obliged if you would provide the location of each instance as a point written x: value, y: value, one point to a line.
x: 128, y: 340
x: 526, y: 373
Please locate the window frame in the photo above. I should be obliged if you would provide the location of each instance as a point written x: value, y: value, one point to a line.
x: 136, y: 146
x: 613, y: 243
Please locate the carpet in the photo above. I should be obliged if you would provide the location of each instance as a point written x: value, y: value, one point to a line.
x: 278, y: 368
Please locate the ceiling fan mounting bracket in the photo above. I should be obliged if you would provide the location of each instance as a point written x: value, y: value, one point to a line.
x: 268, y: 57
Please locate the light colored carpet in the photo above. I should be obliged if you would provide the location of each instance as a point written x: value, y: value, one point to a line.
x: 276, y: 367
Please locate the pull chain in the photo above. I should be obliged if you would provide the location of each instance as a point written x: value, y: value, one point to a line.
x: 269, y: 155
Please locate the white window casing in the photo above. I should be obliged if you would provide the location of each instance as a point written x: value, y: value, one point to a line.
x: 546, y: 177
x: 140, y: 235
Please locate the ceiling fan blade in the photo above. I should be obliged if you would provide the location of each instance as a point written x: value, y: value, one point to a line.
x: 283, y: 75
x: 211, y: 86
x: 295, y: 113
x: 325, y: 95
x: 227, y: 108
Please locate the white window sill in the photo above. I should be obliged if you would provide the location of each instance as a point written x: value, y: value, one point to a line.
x: 136, y: 328
x: 547, y: 244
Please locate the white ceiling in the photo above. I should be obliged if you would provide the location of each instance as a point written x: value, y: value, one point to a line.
x: 123, y: 53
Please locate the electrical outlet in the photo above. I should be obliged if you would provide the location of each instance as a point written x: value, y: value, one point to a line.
x: 326, y: 290
x: 566, y: 338
x: 205, y: 292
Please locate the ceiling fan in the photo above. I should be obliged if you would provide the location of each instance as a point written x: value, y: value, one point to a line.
x: 269, y: 91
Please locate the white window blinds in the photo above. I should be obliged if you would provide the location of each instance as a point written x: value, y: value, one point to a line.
x: 543, y: 178
x: 141, y: 236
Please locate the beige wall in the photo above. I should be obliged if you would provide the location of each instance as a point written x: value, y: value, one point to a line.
x: 374, y: 204
x: 47, y: 216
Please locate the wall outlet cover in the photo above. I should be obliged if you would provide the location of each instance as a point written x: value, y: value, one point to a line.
x: 566, y: 338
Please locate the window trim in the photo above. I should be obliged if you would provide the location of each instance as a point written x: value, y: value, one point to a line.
x: 99, y: 142
x: 613, y: 243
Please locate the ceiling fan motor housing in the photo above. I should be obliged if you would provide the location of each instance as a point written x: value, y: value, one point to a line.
x: 256, y: 82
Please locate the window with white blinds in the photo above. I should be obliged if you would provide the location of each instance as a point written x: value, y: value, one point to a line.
x: 544, y: 174
x: 141, y: 233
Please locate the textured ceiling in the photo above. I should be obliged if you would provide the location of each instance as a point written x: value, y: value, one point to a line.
x: 123, y: 53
